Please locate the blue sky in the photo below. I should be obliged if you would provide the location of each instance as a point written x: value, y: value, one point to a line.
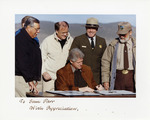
x: 80, y: 18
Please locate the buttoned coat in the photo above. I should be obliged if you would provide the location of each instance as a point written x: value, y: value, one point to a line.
x: 65, y: 78
x: 92, y: 56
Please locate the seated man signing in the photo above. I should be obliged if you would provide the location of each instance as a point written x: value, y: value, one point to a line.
x: 75, y: 75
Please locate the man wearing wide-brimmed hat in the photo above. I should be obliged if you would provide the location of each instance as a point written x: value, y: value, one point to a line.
x: 92, y: 46
x: 118, y: 61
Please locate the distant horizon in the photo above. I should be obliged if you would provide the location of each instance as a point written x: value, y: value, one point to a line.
x: 80, y: 18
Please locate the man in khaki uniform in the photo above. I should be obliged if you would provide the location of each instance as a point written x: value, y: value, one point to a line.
x: 118, y: 61
x: 92, y: 46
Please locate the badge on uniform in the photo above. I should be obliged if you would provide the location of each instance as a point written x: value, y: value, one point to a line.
x: 83, y: 46
x: 100, y: 46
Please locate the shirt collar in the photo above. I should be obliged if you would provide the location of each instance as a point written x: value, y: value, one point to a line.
x: 93, y: 38
x: 73, y: 69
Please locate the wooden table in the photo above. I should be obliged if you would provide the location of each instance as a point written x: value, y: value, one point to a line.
x: 50, y: 95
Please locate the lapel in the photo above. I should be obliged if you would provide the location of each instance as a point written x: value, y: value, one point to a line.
x: 84, y: 75
x: 70, y: 73
x: 88, y: 44
x: 98, y: 43
x: 86, y: 41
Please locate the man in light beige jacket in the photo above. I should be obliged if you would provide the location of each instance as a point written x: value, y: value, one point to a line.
x: 117, y: 72
x: 55, y: 49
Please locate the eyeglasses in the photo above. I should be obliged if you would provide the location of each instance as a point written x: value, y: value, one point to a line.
x: 122, y: 35
x: 92, y: 28
x: 37, y: 29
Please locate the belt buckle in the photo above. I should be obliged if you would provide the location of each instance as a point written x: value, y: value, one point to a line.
x: 125, y: 71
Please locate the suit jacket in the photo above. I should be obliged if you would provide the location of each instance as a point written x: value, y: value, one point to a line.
x: 92, y: 56
x: 65, y: 78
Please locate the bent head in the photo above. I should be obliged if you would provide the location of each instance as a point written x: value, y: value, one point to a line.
x: 125, y: 36
x: 77, y: 64
x: 32, y: 26
x: 76, y: 58
x: 62, y: 29
x: 24, y: 19
x: 124, y: 30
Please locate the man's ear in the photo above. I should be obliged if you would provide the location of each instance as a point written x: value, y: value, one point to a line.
x: 23, y: 25
x: 71, y: 61
x: 56, y: 32
x: 130, y: 33
x: 28, y: 28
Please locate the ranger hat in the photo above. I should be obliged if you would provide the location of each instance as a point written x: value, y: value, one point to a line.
x: 124, y: 28
x: 92, y: 22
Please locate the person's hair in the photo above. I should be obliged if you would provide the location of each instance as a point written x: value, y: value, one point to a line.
x: 74, y: 54
x: 24, y: 19
x: 30, y: 21
x: 58, y: 24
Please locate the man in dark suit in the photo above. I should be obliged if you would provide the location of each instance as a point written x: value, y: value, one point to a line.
x: 75, y: 75
x: 92, y: 46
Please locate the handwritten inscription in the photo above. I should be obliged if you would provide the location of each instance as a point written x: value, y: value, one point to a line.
x: 60, y: 108
x: 34, y: 101
x: 39, y: 105
x: 36, y: 108
x: 48, y: 101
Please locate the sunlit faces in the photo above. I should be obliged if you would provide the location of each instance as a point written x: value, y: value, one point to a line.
x: 125, y: 36
x: 62, y: 33
x: 33, y: 31
x: 91, y: 32
x: 77, y: 64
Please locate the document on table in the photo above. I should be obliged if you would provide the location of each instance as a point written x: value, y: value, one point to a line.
x: 73, y: 93
x: 115, y: 92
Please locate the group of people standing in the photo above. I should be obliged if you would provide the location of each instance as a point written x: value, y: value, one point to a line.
x: 84, y: 63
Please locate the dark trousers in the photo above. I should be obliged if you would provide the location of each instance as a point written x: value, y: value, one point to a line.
x: 125, y: 81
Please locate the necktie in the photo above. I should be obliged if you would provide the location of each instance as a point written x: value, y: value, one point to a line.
x: 78, y: 79
x: 92, y: 43
x: 126, y: 64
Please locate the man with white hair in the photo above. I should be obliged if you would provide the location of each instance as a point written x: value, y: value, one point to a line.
x: 28, y: 60
x: 75, y: 75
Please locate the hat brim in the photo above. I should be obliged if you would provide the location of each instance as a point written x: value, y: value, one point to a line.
x: 92, y: 25
x: 122, y: 32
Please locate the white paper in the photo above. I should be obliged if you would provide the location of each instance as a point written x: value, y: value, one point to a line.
x: 87, y: 108
x: 74, y: 93
x: 115, y: 92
